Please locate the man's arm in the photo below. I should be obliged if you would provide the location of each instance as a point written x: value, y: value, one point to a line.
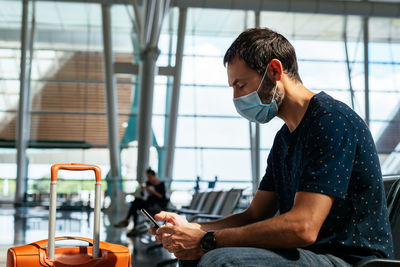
x: 151, y: 190
x: 297, y: 228
x: 263, y: 206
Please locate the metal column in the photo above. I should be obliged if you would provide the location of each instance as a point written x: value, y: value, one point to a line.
x: 366, y: 68
x: 173, y: 112
x: 255, y: 139
x: 255, y: 154
x: 256, y: 175
x: 252, y: 155
x: 147, y: 71
x: 111, y: 98
x: 149, y: 35
x: 23, y: 127
x: 348, y: 61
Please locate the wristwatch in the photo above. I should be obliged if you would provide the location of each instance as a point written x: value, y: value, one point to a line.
x: 208, y: 242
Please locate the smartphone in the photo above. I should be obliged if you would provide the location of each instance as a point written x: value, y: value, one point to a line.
x: 150, y: 218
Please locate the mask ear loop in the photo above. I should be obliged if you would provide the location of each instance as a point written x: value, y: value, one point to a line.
x: 262, y: 80
x: 276, y: 87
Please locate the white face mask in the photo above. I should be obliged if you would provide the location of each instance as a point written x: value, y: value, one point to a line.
x: 250, y: 106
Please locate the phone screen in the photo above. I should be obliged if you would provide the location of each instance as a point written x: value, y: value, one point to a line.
x: 150, y: 218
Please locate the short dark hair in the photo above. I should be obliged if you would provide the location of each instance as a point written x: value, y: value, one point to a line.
x: 258, y: 46
x: 150, y: 171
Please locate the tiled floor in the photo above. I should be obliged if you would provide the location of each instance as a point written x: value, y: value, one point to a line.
x: 26, y: 225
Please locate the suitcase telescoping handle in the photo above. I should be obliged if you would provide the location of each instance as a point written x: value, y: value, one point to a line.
x: 53, y: 196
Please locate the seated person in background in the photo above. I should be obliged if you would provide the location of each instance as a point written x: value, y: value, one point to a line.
x: 156, y: 200
x: 323, y: 175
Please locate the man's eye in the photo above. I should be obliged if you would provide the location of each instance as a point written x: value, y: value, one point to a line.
x: 242, y: 86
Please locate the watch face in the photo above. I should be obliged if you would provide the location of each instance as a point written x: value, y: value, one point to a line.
x: 208, y: 242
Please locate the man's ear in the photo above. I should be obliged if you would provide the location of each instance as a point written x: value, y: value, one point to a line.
x: 275, y: 70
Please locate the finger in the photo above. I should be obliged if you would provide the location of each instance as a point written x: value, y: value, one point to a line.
x: 169, y: 248
x: 165, y: 229
x: 152, y: 231
x: 168, y: 224
x: 167, y: 216
x: 158, y: 238
x: 172, y: 245
x: 166, y: 239
x: 165, y: 246
x: 164, y: 216
x: 165, y: 235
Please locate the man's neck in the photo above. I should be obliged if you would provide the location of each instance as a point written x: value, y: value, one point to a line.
x: 295, y: 103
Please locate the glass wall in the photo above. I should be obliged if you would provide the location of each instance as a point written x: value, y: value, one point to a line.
x: 67, y: 114
x: 10, y: 22
x: 213, y: 140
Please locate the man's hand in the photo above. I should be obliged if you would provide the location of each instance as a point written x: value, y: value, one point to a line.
x: 179, y: 236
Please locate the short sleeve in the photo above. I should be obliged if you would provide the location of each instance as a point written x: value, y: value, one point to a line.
x: 329, y: 156
x: 267, y: 182
x: 160, y: 188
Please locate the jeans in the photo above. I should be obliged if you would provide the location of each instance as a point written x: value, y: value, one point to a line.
x: 254, y: 257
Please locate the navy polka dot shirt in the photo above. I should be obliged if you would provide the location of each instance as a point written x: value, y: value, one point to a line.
x: 332, y: 152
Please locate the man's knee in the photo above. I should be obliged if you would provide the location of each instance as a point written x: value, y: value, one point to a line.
x: 240, y: 256
x: 218, y: 257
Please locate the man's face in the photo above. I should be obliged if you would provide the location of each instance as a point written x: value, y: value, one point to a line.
x: 241, y: 78
x: 244, y: 80
x: 150, y: 178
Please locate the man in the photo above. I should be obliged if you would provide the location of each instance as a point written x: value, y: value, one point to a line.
x: 323, y: 175
x: 156, y: 200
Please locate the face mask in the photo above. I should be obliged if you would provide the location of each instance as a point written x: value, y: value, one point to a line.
x: 250, y: 106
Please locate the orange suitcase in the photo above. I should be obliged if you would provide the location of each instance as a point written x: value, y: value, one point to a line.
x: 44, y: 252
